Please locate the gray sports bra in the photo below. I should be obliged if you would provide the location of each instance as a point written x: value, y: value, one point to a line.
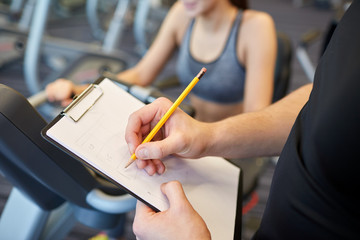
x: 225, y: 77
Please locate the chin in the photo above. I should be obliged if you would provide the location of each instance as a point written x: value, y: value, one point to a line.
x: 191, y: 8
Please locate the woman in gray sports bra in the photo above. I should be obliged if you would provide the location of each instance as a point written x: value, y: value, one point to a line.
x: 236, y: 45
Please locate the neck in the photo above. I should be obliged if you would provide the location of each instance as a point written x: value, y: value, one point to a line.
x: 218, y: 16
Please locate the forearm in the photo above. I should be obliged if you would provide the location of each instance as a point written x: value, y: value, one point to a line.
x: 145, y: 71
x: 160, y: 51
x: 255, y: 134
x: 131, y: 76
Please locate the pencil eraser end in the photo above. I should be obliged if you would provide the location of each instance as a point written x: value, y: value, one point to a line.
x: 203, y: 69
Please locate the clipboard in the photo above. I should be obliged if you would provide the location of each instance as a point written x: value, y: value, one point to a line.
x: 92, y: 130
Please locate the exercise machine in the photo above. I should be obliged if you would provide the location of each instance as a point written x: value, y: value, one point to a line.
x: 13, y: 31
x: 52, y: 191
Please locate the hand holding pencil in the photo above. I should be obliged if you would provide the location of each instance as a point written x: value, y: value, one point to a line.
x: 169, y: 112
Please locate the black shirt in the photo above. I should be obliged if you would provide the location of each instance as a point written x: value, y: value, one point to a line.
x: 315, y: 188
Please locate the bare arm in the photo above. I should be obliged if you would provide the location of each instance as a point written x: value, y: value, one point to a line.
x: 258, y: 46
x: 260, y: 133
x: 145, y: 72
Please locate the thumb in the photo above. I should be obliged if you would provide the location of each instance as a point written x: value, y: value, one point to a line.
x: 159, y: 149
x: 175, y: 194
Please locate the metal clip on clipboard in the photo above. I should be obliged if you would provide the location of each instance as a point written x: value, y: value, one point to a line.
x: 83, y: 103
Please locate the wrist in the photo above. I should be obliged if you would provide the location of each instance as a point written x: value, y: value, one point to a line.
x: 221, y: 138
x: 208, y: 139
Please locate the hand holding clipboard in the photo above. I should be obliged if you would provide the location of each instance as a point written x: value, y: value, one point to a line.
x: 92, y: 132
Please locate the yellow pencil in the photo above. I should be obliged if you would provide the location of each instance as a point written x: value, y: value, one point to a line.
x: 170, y: 111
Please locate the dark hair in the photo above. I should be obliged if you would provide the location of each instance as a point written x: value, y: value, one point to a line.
x: 242, y: 4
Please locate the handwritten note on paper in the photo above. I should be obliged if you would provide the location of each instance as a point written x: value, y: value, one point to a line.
x: 211, y: 183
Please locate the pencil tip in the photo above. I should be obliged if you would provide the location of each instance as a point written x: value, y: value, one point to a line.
x: 203, y: 70
x: 132, y: 159
x: 128, y: 164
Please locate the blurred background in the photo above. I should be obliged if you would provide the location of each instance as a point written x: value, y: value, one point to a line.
x: 81, y: 40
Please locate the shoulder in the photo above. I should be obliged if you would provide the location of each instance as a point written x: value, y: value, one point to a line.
x: 257, y: 19
x: 177, y: 9
x: 256, y: 26
x: 177, y: 14
x: 177, y: 19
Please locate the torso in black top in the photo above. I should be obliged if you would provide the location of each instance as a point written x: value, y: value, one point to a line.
x: 314, y: 193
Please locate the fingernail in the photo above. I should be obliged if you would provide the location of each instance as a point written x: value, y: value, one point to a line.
x: 161, y: 170
x: 143, y: 153
x: 131, y: 148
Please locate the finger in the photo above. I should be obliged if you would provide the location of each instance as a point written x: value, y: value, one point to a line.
x: 66, y: 102
x: 147, y: 165
x: 141, y: 214
x: 175, y: 194
x: 159, y: 165
x: 142, y: 209
x: 160, y: 149
x: 148, y: 113
x: 150, y: 168
x: 141, y: 164
x: 49, y: 93
x: 136, y: 126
